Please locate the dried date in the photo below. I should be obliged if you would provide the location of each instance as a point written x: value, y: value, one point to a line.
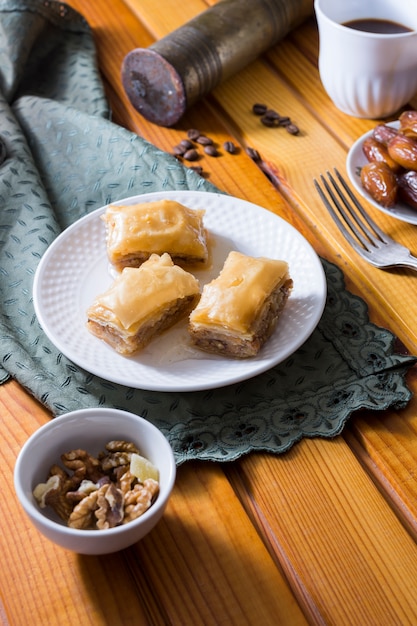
x: 376, y: 151
x: 408, y: 123
x: 380, y: 182
x: 403, y: 150
x: 384, y: 133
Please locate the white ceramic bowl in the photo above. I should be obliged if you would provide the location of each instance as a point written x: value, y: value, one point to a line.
x: 91, y: 429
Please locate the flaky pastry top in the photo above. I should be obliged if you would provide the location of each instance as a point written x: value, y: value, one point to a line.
x: 234, y: 299
x: 155, y: 227
x: 137, y: 293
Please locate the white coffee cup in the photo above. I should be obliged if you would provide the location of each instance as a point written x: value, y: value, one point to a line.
x: 367, y: 74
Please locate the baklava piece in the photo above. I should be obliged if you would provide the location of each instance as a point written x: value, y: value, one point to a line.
x: 239, y: 310
x: 141, y: 303
x: 136, y: 231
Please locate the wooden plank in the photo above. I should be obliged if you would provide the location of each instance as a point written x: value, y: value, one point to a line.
x: 385, y: 444
x: 167, y: 19
x: 220, y: 572
x: 337, y: 537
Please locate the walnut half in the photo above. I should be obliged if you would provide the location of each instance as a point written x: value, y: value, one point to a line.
x: 110, y: 512
x: 103, y: 508
x: 53, y: 492
x: 139, y: 499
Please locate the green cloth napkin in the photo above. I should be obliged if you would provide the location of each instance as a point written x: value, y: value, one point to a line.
x: 65, y: 158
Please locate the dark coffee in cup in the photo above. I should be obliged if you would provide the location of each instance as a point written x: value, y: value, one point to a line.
x: 382, y: 27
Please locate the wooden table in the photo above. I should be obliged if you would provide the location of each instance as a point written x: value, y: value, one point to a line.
x: 325, y: 534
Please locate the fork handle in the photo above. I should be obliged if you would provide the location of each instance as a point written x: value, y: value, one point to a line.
x: 409, y: 262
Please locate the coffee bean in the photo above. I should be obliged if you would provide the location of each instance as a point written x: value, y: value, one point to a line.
x: 191, y: 155
x: 211, y: 150
x: 204, y: 141
x: 259, y: 109
x: 292, y: 129
x: 271, y: 118
x: 230, y: 147
x: 268, y: 121
x: 273, y: 115
x: 254, y: 154
x: 193, y: 133
x: 178, y: 150
x: 284, y: 121
x: 186, y: 144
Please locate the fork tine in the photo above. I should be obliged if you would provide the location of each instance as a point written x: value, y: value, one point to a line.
x: 351, y: 215
x: 380, y: 233
x: 342, y: 227
x: 374, y: 236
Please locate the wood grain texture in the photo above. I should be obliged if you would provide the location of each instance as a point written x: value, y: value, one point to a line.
x: 207, y: 545
x: 325, y: 534
x: 353, y: 546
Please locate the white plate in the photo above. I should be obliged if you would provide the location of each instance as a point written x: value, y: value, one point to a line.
x: 355, y: 161
x: 75, y: 269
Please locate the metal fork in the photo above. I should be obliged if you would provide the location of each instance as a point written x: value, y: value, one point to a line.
x: 369, y: 241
